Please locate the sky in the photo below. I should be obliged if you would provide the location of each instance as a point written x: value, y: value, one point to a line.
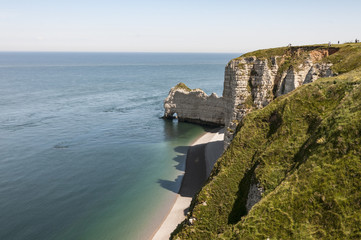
x: 174, y: 26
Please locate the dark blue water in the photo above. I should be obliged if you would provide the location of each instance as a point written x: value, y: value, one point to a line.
x: 82, y: 148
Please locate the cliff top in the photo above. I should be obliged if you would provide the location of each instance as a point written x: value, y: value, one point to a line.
x: 344, y: 57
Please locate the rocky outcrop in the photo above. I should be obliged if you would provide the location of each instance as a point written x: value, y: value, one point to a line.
x: 250, y: 82
x: 194, y: 106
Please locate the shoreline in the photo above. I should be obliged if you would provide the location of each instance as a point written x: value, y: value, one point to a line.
x: 200, y: 158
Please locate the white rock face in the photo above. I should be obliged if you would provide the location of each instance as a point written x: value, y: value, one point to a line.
x: 249, y: 83
x: 194, y: 106
x: 308, y: 72
x: 252, y: 83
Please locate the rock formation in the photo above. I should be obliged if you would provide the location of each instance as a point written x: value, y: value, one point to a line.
x: 194, y: 106
x: 250, y: 82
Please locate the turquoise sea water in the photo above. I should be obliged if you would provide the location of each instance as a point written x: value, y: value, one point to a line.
x: 83, y: 151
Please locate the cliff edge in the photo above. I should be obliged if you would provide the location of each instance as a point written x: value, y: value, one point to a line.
x: 293, y: 168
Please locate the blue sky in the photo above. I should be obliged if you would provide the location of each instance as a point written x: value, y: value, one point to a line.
x: 173, y: 26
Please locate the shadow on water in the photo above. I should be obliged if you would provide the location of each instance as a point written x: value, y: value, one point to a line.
x: 179, y: 159
x: 195, y: 171
x: 172, y: 186
x: 173, y: 129
x: 192, y: 157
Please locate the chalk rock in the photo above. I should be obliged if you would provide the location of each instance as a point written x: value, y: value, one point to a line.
x: 194, y: 106
x: 191, y: 220
x: 252, y: 83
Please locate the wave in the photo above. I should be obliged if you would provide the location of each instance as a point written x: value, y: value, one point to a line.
x: 145, y: 99
x: 12, y: 124
x: 136, y: 104
x: 61, y: 145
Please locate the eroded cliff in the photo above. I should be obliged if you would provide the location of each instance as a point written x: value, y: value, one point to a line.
x: 194, y: 105
x: 251, y: 81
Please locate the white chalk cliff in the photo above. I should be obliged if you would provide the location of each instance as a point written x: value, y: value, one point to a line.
x: 194, y: 106
x: 250, y: 82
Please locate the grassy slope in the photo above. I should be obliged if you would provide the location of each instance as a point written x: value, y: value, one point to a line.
x: 304, y: 150
x: 347, y: 59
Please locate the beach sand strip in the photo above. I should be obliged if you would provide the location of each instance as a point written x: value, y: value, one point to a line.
x: 201, y: 156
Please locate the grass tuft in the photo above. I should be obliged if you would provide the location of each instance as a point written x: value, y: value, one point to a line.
x: 182, y: 86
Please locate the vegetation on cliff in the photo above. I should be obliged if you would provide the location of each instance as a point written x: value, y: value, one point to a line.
x: 344, y: 57
x: 303, y: 150
x: 182, y: 86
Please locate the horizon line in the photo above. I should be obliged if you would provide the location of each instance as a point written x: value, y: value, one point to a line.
x: 20, y: 51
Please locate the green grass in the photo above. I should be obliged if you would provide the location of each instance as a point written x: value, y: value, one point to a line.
x: 271, y: 52
x: 182, y: 86
x: 304, y: 150
x: 347, y: 59
x: 267, y: 53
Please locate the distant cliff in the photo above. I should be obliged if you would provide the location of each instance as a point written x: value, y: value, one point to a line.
x: 251, y: 81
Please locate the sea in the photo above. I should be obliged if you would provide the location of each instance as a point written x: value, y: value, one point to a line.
x: 84, y: 152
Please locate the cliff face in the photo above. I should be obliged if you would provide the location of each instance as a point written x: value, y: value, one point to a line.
x: 251, y: 81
